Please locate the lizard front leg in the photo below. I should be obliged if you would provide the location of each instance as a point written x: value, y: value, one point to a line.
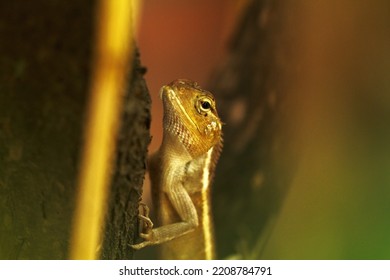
x: 182, y: 203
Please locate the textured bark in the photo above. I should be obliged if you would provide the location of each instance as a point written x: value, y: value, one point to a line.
x: 134, y: 138
x: 45, y: 54
x: 252, y: 86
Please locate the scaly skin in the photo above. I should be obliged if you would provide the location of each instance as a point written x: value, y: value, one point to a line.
x: 181, y: 172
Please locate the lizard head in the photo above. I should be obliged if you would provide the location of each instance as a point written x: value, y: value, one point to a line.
x: 190, y: 113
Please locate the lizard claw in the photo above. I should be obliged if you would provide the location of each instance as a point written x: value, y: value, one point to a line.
x: 140, y: 245
x: 145, y: 208
x: 147, y: 226
x: 148, y: 236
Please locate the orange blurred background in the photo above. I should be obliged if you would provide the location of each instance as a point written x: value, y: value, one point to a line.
x: 182, y: 39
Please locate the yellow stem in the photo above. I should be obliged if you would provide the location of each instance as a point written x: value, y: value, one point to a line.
x: 114, y: 46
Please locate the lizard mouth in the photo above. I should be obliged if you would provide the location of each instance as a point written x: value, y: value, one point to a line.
x: 162, y: 92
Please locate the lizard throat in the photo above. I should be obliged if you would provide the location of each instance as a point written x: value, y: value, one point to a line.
x: 174, y: 126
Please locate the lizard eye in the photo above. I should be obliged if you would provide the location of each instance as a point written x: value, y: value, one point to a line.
x: 204, y: 105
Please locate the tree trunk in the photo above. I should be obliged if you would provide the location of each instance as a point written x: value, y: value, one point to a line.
x: 255, y: 170
x: 304, y: 94
x: 134, y: 137
x: 45, y: 52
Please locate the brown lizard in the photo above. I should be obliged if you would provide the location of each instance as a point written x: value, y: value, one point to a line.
x: 181, y: 172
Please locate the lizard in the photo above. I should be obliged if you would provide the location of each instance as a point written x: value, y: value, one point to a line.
x: 181, y: 173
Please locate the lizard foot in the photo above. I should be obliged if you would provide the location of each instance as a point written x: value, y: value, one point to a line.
x: 147, y: 226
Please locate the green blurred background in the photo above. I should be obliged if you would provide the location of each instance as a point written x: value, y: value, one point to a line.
x: 338, y: 205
